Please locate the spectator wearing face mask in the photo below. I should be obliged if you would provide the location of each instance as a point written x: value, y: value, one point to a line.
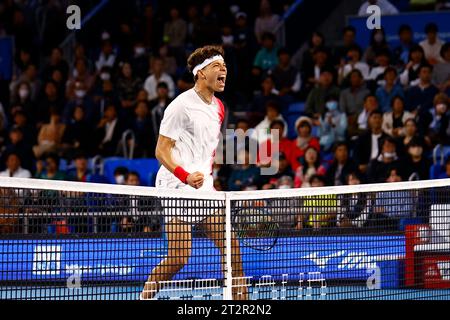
x: 22, y: 96
x: 332, y: 125
x: 80, y: 98
x: 378, y: 44
x: 388, y: 159
x: 119, y: 175
x: 80, y: 73
x: 417, y: 164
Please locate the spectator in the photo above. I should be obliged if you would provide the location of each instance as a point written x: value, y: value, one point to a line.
x: 368, y: 144
x: 441, y: 71
x: 277, y: 130
x: 17, y: 144
x: 107, y: 58
x: 353, y: 61
x: 303, y: 141
x: 390, y: 206
x: 185, y: 81
x: 332, y: 125
x: 349, y: 41
x: 436, y: 121
x: 394, y: 121
x: 378, y: 45
x: 401, y: 53
x: 310, y: 166
x: 370, y: 105
x: 380, y: 167
x: 145, y: 142
x: 266, y: 58
x: 341, y: 166
x: 50, y: 169
x: 311, y: 72
x: 244, y: 176
x: 175, y: 31
x: 83, y: 99
x: 82, y: 172
x: 158, y: 105
x: 284, y: 172
x: 240, y: 140
x: 20, y: 120
x: 322, y: 209
x: 50, y: 100
x: 120, y: 174
x: 432, y: 44
x: 286, y: 77
x: 315, y: 103
x: 80, y: 74
x: 305, y: 56
x: 268, y: 93
x: 355, y: 207
x: 77, y: 135
x: 22, y: 97
x: 386, y: 8
x: 192, y: 26
x: 13, y: 167
x: 108, y: 132
x: 150, y: 85
x: 412, y: 133
x: 50, y: 135
x: 352, y: 99
x: 128, y: 86
x: 409, y: 76
x: 417, y: 164
x: 419, y: 98
x: 244, y: 46
x: 208, y: 29
x: 170, y: 63
x: 266, y: 21
x: 140, y: 60
x: 128, y: 223
x: 390, y: 89
x: 56, y: 63
x: 376, y: 75
x: 261, y: 131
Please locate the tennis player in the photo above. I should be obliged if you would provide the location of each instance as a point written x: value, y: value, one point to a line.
x: 188, y: 137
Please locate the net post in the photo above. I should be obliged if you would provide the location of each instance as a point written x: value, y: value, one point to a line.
x: 228, y: 290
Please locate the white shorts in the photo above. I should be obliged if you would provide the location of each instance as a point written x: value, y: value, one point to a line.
x: 186, y: 210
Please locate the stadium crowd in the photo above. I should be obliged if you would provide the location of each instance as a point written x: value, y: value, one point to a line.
x: 369, y: 114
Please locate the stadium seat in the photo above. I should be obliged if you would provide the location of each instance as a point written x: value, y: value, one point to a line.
x: 297, y: 107
x: 436, y: 170
x: 147, y: 168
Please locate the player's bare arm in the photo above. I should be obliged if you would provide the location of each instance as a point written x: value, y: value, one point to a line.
x: 164, y: 155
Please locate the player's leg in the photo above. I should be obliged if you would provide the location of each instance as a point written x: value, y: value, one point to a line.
x: 214, y: 228
x: 179, y: 239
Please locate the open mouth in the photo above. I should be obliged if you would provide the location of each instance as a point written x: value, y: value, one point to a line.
x: 221, y: 79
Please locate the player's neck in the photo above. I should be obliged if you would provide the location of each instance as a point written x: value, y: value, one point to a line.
x: 204, y: 93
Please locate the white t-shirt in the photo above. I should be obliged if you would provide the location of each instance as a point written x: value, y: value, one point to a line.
x: 195, y: 126
x: 375, y: 150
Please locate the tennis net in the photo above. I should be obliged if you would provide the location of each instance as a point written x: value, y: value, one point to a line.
x: 68, y: 240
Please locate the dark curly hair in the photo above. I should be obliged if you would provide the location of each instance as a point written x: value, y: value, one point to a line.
x: 201, y: 54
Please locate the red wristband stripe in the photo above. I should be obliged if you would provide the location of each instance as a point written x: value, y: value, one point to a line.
x: 181, y: 174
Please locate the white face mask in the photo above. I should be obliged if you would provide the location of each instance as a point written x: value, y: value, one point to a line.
x: 120, y: 179
x: 24, y: 93
x: 139, y: 51
x: 80, y: 93
x: 389, y: 154
x: 105, y: 76
x: 284, y: 186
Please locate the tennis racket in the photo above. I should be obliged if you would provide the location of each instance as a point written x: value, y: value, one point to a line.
x: 256, y: 228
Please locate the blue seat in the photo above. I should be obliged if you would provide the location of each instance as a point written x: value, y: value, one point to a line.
x: 147, y: 168
x: 436, y: 170
x: 291, y: 118
x: 297, y: 107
